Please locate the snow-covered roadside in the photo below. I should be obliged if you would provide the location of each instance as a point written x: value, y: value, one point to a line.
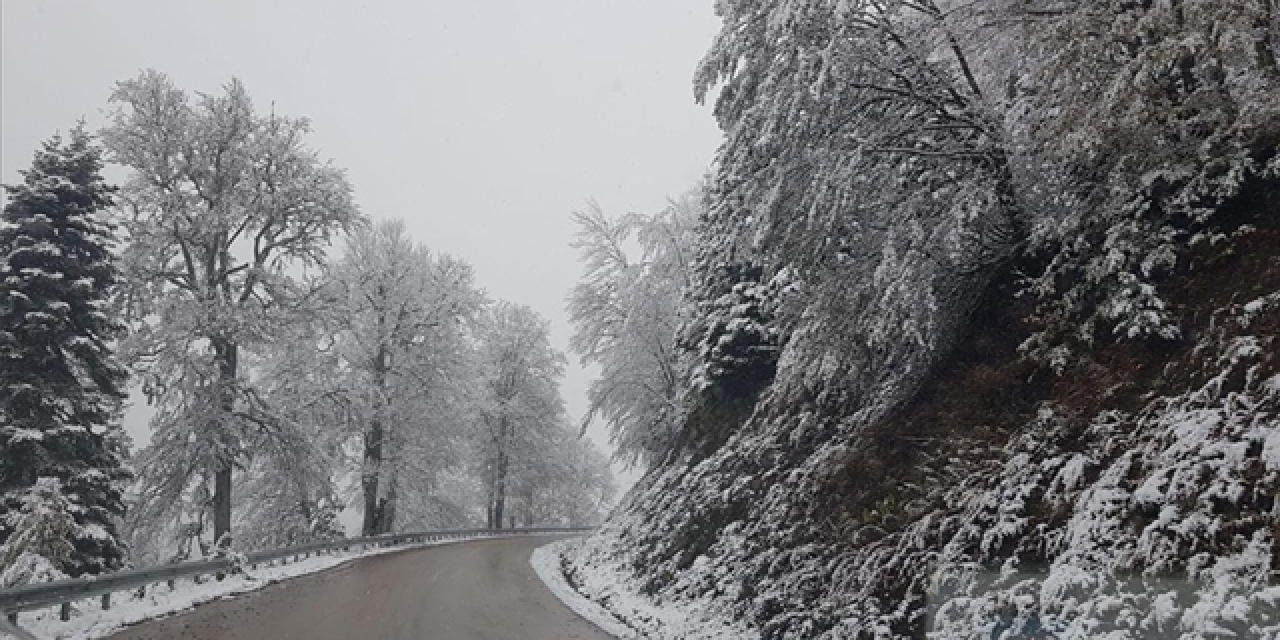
x: 604, y: 594
x: 547, y: 563
x: 88, y: 620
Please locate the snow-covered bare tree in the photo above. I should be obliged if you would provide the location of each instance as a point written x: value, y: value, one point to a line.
x: 862, y: 154
x: 402, y: 335
x: 290, y: 486
x: 521, y: 409
x: 60, y: 383
x: 821, y: 101
x: 564, y: 481
x: 223, y: 209
x: 288, y: 475
x: 625, y: 311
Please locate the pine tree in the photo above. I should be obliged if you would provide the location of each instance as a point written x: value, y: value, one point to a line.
x: 40, y: 543
x: 60, y: 384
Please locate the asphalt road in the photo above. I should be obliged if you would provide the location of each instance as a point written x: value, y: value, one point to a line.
x: 483, y: 590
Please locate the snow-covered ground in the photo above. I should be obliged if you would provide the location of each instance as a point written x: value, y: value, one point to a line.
x: 547, y: 563
x: 604, y: 594
x: 88, y: 620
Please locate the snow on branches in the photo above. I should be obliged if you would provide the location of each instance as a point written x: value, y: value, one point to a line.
x: 625, y: 313
x: 223, y: 208
x: 1068, y: 170
x: 61, y: 385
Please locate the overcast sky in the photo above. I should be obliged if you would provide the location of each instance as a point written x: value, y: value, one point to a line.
x: 481, y: 124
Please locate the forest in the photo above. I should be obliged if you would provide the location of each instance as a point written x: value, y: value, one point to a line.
x: 297, y: 358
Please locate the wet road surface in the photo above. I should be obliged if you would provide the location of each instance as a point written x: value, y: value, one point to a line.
x: 483, y: 590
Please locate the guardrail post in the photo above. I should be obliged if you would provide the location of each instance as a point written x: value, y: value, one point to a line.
x: 64, y: 613
x: 106, y: 601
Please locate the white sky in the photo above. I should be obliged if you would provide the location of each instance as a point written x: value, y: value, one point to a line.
x: 481, y: 124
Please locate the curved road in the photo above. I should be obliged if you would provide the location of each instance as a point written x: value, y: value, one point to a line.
x: 483, y: 590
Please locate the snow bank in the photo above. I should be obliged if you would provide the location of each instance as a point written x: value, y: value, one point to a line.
x: 599, y: 588
x: 547, y: 562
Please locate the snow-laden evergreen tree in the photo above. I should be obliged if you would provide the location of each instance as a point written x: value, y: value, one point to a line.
x: 42, y: 529
x: 61, y: 386
x: 732, y: 343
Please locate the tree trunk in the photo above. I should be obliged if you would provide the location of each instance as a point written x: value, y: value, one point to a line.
x: 369, y: 482
x: 387, y: 515
x: 227, y: 353
x: 490, y: 495
x: 369, y: 478
x: 305, y: 509
x: 222, y: 505
x: 498, y: 476
x: 373, y: 449
x: 500, y: 490
x: 528, y: 506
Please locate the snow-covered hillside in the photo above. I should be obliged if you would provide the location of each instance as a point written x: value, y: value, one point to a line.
x: 1018, y: 376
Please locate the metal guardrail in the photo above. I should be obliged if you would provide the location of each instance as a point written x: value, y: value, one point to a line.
x: 63, y: 592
